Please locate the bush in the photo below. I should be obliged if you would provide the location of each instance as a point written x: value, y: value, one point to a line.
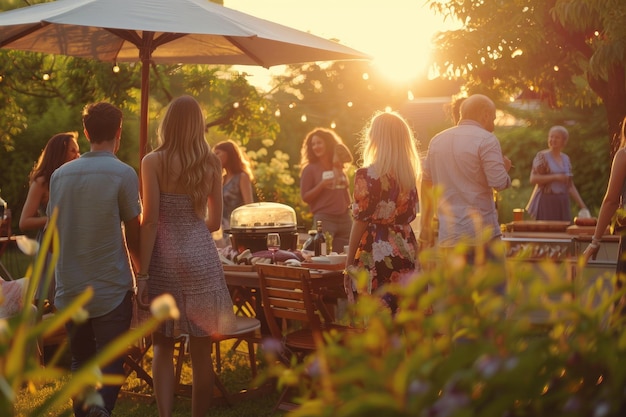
x: 459, y: 347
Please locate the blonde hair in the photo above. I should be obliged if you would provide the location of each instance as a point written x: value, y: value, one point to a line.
x: 181, y: 136
x: 389, y: 147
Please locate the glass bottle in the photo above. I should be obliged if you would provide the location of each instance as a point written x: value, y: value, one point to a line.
x: 320, y: 241
x: 309, y: 245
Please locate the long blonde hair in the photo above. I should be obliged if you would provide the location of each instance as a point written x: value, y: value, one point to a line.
x: 389, y: 147
x: 181, y: 136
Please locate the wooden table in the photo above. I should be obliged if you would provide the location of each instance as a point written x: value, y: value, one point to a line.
x: 244, y: 285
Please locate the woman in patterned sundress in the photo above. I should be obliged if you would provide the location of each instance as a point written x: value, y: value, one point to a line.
x: 382, y: 241
x: 182, y: 197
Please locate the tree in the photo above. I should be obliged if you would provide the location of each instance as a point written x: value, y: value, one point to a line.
x: 564, y: 51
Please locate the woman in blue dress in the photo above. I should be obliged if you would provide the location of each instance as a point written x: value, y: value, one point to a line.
x: 552, y: 175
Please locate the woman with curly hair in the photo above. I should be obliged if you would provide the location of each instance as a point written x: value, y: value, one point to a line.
x: 182, y: 197
x: 323, y: 183
x: 382, y: 241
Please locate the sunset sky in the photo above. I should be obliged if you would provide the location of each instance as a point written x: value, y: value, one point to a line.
x: 397, y: 33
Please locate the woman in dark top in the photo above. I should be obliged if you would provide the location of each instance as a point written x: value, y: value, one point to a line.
x: 237, y: 180
x: 61, y: 148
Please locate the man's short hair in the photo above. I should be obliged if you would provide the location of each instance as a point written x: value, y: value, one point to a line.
x: 102, y: 121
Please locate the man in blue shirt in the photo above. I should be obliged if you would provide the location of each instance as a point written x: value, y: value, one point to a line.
x: 97, y: 198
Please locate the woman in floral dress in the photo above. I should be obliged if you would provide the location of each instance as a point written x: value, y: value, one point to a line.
x: 385, y: 202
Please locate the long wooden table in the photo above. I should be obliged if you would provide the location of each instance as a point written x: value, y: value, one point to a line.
x: 250, y: 279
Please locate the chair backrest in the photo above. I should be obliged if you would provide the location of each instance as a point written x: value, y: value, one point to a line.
x: 284, y: 296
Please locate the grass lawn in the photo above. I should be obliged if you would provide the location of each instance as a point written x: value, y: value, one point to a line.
x: 137, y: 400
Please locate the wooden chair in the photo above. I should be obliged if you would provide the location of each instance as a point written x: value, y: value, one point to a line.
x: 286, y: 295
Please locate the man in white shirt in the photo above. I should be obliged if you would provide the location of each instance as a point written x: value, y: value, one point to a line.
x: 465, y: 164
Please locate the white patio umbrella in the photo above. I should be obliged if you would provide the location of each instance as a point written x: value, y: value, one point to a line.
x: 161, y: 31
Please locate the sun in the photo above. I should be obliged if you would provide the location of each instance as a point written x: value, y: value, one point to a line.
x: 402, y: 49
x: 402, y: 69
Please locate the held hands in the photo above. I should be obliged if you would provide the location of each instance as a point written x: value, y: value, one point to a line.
x: 142, y: 292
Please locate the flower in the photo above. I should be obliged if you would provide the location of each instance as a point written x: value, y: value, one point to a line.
x: 164, y: 307
x: 80, y: 316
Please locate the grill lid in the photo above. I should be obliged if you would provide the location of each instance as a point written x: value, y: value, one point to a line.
x: 263, y: 216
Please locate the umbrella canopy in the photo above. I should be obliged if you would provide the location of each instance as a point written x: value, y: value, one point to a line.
x: 161, y: 31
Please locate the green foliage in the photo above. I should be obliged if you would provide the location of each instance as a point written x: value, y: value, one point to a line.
x: 460, y: 347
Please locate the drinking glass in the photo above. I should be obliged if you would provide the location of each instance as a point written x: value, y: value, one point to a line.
x: 273, y: 244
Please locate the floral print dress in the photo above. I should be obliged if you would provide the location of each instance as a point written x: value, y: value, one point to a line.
x: 387, y: 248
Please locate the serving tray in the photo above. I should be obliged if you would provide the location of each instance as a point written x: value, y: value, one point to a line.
x: 538, y: 226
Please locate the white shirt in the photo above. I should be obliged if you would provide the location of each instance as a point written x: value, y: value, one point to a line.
x: 466, y: 162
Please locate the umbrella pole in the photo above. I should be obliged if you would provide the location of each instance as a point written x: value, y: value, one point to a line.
x: 143, y: 117
x: 145, y: 53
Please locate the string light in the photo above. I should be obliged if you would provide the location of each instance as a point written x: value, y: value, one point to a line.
x: 350, y: 104
x: 277, y: 113
x: 303, y: 118
x: 236, y: 105
x: 333, y: 125
x: 46, y: 77
x: 116, y: 68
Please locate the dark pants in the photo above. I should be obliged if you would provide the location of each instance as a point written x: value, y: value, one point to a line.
x: 89, y: 338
